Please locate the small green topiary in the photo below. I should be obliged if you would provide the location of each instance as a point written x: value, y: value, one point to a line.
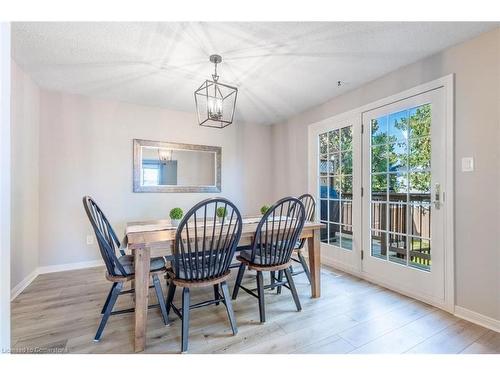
x: 264, y: 209
x: 176, y: 213
x: 221, y: 212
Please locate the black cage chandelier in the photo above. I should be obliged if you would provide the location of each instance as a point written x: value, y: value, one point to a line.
x: 215, y: 101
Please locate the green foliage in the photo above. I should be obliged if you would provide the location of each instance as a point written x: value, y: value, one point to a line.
x: 420, y: 147
x: 221, y: 212
x: 336, y: 140
x: 264, y: 209
x: 176, y: 213
x: 386, y: 153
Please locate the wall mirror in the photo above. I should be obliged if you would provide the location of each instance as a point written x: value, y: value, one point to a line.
x: 165, y: 167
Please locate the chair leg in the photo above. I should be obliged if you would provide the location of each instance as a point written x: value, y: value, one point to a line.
x: 280, y: 279
x: 216, y: 293
x: 273, y: 277
x: 289, y: 278
x: 108, y: 298
x: 185, y: 319
x: 305, y: 266
x: 241, y: 271
x: 115, y: 292
x: 260, y: 291
x: 161, y: 299
x: 229, y: 307
x: 170, y: 295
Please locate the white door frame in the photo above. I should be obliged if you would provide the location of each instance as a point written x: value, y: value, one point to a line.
x: 447, y: 83
x: 4, y: 187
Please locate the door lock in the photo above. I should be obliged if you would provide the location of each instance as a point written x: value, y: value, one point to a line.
x: 437, y: 196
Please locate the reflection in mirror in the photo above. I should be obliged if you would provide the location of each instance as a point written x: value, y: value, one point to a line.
x: 173, y: 167
x: 163, y: 166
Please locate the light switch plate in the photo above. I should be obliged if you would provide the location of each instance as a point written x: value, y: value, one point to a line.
x: 90, y: 239
x: 468, y: 164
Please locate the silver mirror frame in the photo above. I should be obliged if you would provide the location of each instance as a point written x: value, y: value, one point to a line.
x: 138, y: 188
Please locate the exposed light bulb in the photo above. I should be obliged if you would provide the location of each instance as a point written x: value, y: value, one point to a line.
x: 214, y: 108
x: 165, y: 155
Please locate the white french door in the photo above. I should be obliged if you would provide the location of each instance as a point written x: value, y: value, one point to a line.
x: 379, y: 174
x: 335, y: 180
x: 404, y: 179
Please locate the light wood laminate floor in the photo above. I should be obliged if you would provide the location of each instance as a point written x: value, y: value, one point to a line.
x: 59, y: 313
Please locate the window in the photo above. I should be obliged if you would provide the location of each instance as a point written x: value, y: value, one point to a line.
x: 401, y: 187
x: 150, y: 175
x: 335, y: 186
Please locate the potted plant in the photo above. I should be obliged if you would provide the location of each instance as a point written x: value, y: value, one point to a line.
x: 176, y: 216
x: 264, y: 209
x: 221, y: 213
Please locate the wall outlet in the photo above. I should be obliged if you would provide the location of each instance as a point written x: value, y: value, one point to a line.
x: 468, y: 164
x: 90, y: 239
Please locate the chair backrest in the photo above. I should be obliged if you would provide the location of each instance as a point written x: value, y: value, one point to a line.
x: 204, y: 243
x: 310, y: 207
x: 278, y: 231
x: 106, y: 238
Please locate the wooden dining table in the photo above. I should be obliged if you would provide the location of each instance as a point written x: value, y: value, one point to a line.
x: 147, y: 236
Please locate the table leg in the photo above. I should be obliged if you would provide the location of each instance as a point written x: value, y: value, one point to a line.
x: 141, y: 259
x: 132, y: 285
x: 313, y: 246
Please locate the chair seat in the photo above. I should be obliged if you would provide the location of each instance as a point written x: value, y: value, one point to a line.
x: 197, y: 283
x: 199, y: 273
x: 127, y: 261
x: 247, y: 255
x: 196, y: 274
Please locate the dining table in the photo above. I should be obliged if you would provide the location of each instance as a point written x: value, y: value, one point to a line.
x: 146, y: 236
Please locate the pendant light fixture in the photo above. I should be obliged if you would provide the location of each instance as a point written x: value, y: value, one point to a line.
x: 215, y: 101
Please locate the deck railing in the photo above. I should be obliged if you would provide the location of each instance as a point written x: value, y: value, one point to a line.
x: 394, y: 231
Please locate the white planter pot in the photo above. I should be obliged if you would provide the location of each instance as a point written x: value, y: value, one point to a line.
x: 175, y: 223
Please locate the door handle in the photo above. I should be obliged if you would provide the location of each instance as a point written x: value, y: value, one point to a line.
x: 437, y: 196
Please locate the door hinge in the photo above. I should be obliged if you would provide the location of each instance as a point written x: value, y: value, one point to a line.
x: 362, y: 254
x: 362, y: 128
x: 362, y: 191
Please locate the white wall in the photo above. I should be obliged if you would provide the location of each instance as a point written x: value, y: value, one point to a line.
x: 4, y: 186
x: 86, y: 148
x: 476, y: 65
x: 25, y: 114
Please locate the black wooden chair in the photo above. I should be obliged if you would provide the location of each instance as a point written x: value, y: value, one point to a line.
x: 271, y: 250
x: 204, y: 248
x: 310, y: 207
x: 119, y: 269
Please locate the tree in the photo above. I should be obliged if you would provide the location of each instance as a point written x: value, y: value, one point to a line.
x: 387, y: 154
x: 419, y: 157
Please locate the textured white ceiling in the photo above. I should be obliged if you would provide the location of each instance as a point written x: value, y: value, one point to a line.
x: 280, y: 68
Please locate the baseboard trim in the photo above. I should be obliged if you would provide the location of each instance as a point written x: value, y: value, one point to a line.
x: 477, y: 318
x: 69, y: 266
x: 18, y: 289
x: 340, y: 266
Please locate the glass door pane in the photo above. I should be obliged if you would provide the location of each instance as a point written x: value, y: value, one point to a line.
x: 336, y: 186
x: 400, y: 156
